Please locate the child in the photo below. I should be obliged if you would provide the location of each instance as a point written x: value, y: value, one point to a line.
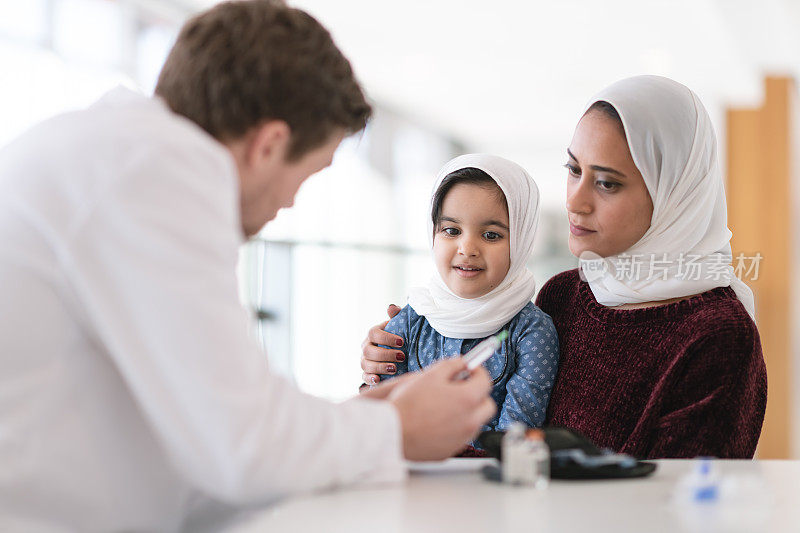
x: 484, y: 214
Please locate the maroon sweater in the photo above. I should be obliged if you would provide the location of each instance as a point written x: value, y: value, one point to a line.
x: 678, y: 380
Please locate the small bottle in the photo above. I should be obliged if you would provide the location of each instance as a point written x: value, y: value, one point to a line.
x: 526, y: 458
x: 704, y: 481
x: 515, y: 462
x: 701, y: 486
x: 540, y: 454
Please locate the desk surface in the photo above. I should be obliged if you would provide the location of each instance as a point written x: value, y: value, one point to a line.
x: 453, y: 496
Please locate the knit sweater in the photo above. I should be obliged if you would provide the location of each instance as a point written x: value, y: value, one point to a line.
x: 679, y: 380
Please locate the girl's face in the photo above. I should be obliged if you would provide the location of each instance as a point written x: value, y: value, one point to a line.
x: 608, y: 205
x: 471, y: 243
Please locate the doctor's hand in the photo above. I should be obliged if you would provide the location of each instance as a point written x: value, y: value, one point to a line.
x: 374, y: 358
x: 439, y: 415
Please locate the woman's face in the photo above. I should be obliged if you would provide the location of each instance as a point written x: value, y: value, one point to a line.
x: 608, y: 205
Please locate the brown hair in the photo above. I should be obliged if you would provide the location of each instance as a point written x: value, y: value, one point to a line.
x: 466, y: 176
x: 245, y: 62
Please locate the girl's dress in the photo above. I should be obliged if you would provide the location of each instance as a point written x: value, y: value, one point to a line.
x: 523, y: 370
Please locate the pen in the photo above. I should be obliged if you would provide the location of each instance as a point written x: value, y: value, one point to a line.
x: 480, y: 353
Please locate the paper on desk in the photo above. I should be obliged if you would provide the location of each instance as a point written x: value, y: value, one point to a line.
x: 450, y: 466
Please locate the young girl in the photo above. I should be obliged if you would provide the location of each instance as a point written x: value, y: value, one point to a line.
x: 484, y: 214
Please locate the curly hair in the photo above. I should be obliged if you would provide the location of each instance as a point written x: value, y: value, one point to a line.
x: 245, y: 62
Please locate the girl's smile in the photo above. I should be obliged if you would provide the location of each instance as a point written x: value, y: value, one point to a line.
x: 467, y: 271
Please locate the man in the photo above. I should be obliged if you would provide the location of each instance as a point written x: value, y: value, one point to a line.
x: 131, y: 397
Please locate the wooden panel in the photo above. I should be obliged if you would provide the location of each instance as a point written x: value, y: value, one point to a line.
x: 759, y: 214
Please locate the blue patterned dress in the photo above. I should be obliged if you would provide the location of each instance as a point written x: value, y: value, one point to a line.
x: 523, y: 370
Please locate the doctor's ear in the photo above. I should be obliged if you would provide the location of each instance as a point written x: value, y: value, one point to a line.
x: 269, y: 143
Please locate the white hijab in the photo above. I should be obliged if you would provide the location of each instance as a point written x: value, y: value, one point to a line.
x: 673, y: 145
x: 474, y: 318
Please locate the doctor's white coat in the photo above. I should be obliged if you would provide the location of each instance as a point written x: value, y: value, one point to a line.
x: 131, y: 395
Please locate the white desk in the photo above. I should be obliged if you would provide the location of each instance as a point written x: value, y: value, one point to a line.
x: 454, y: 497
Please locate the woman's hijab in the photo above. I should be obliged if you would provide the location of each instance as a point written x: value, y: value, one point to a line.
x: 687, y: 248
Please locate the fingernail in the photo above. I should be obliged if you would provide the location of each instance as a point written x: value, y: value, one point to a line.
x: 401, y: 357
x: 399, y: 342
x: 390, y: 369
x: 372, y: 381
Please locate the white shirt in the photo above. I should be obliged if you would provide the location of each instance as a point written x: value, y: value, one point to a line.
x: 131, y: 395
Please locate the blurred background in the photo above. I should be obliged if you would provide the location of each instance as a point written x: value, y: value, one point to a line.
x: 509, y: 77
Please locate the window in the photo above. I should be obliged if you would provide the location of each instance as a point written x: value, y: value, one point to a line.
x: 59, y: 55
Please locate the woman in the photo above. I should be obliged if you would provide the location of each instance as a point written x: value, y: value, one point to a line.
x: 660, y: 356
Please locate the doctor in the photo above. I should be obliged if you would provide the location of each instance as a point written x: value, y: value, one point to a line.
x: 131, y: 396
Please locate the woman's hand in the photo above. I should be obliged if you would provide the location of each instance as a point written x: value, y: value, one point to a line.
x: 382, y: 390
x: 376, y: 359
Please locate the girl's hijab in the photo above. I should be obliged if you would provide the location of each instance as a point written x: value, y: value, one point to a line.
x: 474, y: 318
x: 687, y: 248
